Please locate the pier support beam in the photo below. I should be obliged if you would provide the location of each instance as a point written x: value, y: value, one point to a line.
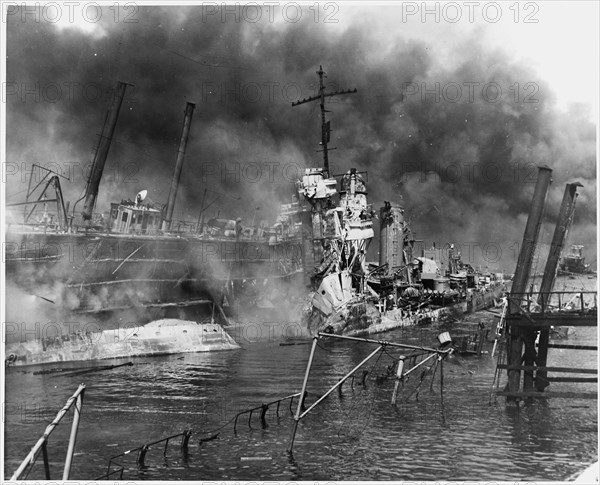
x: 518, y: 337
x: 565, y: 216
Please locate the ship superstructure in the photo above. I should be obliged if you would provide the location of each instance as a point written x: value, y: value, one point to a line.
x: 353, y: 296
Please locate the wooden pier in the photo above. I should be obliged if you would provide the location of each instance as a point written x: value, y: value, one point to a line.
x: 531, y: 316
x: 527, y: 351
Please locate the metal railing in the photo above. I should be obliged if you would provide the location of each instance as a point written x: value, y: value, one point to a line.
x: 556, y: 301
x: 42, y: 444
x: 439, y: 354
x: 185, y: 437
x: 263, y: 408
x: 142, y: 450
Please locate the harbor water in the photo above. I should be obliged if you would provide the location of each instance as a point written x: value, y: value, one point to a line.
x: 464, y: 434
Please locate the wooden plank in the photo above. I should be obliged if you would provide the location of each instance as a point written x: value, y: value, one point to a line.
x: 566, y: 395
x: 548, y: 369
x: 557, y: 315
x: 572, y: 379
x: 574, y: 347
x: 580, y: 321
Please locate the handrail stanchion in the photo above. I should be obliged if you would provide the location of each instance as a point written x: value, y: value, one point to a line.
x: 73, y: 437
x: 41, y: 443
x: 302, y: 393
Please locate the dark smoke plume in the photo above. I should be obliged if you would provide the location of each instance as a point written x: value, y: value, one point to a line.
x: 463, y: 166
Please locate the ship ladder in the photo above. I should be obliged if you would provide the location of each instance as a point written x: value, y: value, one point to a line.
x: 500, y: 364
x: 500, y: 326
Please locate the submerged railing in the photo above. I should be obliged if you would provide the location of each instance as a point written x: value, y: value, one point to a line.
x: 42, y: 444
x: 263, y: 408
x: 142, y: 450
x: 438, y: 354
x: 420, y: 357
x: 185, y: 436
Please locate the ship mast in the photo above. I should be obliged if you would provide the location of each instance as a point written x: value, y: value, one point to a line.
x: 185, y: 131
x: 108, y: 130
x: 325, y: 125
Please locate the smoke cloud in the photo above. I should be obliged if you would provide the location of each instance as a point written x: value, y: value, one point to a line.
x: 454, y: 138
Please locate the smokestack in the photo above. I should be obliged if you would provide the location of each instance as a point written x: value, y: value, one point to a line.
x: 391, y: 237
x: 187, y: 123
x: 91, y: 191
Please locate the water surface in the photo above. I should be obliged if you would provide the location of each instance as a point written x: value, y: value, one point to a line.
x: 357, y: 435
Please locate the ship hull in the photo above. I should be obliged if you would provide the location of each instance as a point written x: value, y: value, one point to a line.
x: 156, y: 338
x: 100, y: 281
x: 365, y: 318
x: 573, y: 266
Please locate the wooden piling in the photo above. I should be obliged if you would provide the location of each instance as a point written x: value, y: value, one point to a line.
x: 565, y: 217
x: 516, y: 336
x: 535, y: 374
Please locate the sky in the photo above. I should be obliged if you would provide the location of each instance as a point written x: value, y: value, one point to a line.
x: 457, y: 104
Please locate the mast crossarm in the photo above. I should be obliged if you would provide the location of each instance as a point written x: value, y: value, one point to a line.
x: 315, y: 98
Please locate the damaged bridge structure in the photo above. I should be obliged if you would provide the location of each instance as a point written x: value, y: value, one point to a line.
x: 531, y: 316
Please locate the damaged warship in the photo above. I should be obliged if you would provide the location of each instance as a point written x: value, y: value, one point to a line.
x: 354, y: 297
x: 93, y: 275
x: 574, y: 263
